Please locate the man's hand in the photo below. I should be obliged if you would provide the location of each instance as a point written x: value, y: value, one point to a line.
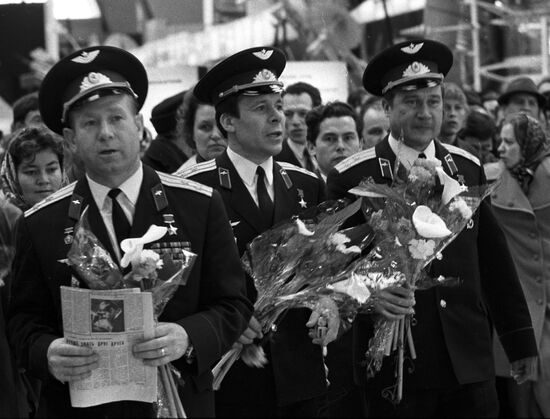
x: 68, y: 362
x: 253, y: 331
x: 325, y: 315
x: 394, y: 303
x: 170, y: 343
x: 524, y: 369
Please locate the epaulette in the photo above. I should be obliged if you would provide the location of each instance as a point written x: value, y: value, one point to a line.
x: 294, y: 168
x: 205, y: 166
x: 461, y: 152
x: 56, y: 196
x: 355, y: 159
x: 179, y: 182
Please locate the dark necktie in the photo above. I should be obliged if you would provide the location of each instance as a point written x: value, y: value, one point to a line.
x: 264, y: 201
x: 421, y: 156
x: 120, y: 221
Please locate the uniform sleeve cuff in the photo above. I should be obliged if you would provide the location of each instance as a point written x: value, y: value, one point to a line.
x: 519, y: 344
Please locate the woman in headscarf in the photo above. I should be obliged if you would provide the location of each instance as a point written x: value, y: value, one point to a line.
x: 196, y: 124
x: 521, y: 203
x: 32, y: 168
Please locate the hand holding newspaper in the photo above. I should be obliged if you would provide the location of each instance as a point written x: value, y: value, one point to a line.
x: 120, y: 312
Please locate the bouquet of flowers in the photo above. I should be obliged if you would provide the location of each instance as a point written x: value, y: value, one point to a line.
x: 151, y: 272
x: 295, y: 264
x: 414, y: 220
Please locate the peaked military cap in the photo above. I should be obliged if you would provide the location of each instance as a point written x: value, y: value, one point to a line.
x: 163, y: 115
x: 87, y: 75
x: 252, y: 72
x: 409, y: 65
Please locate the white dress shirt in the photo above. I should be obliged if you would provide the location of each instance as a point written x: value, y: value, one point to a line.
x: 407, y: 155
x: 127, y: 200
x: 247, y: 171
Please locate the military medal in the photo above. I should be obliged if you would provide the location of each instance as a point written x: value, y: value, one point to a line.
x: 302, y: 202
x: 169, y: 220
x: 68, y: 235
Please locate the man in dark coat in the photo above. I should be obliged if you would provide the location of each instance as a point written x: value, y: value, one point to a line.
x: 93, y: 97
x: 259, y: 192
x: 453, y: 374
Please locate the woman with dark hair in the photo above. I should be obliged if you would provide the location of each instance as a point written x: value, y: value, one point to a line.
x: 521, y: 203
x: 196, y: 124
x: 32, y: 168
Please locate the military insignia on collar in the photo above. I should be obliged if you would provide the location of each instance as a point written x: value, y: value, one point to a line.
x: 224, y: 178
x: 86, y: 57
x: 415, y: 69
x: 470, y: 224
x: 412, y: 48
x: 264, y: 75
x: 302, y: 202
x: 93, y: 79
x: 264, y: 54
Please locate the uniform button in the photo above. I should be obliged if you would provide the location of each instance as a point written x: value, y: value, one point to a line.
x: 443, y: 303
x: 540, y: 302
x: 536, y: 257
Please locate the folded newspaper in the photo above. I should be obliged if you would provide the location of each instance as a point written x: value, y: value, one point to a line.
x: 110, y: 322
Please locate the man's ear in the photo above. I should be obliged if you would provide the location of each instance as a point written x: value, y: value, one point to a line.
x: 386, y: 106
x: 138, y: 119
x: 310, y: 148
x: 69, y: 136
x: 227, y: 121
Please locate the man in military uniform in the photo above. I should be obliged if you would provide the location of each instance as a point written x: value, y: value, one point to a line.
x: 259, y: 192
x: 453, y: 374
x: 93, y: 97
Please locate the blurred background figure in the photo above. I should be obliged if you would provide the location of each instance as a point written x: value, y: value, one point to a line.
x: 544, y: 89
x: 298, y: 99
x: 489, y: 100
x: 455, y: 109
x: 26, y: 113
x: 333, y: 134
x: 196, y: 126
x: 521, y: 203
x: 477, y: 136
x: 32, y: 168
x: 165, y: 153
x: 357, y: 98
x: 521, y: 95
x: 376, y: 123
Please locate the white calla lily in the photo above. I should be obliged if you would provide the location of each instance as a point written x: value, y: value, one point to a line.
x: 428, y: 224
x: 451, y: 187
x: 132, y: 248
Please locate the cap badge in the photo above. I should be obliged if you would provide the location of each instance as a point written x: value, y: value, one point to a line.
x: 86, y: 57
x: 264, y: 75
x: 264, y: 54
x: 412, y: 48
x: 415, y: 69
x: 93, y: 79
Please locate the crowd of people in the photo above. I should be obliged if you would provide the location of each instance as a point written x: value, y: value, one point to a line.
x: 235, y: 155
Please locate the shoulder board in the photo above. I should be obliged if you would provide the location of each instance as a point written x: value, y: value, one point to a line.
x: 178, y: 182
x: 205, y: 166
x: 55, y: 197
x: 461, y: 152
x: 294, y: 168
x: 355, y: 159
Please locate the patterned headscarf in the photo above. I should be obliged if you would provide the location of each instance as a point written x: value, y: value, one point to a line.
x: 534, y: 146
x: 8, y: 172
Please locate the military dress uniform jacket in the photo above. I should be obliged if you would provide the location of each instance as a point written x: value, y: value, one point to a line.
x: 212, y: 307
x: 296, y: 365
x: 287, y: 155
x: 452, y: 335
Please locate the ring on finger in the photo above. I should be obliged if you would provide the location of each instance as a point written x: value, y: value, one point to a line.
x: 163, y: 352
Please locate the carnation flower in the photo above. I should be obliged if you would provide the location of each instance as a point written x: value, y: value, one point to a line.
x: 420, y: 174
x: 149, y: 261
x: 421, y: 249
x: 462, y: 207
